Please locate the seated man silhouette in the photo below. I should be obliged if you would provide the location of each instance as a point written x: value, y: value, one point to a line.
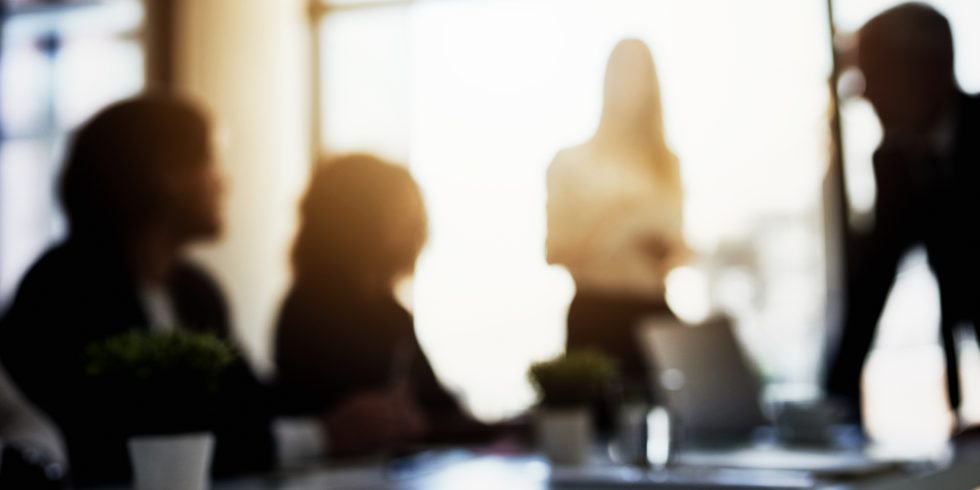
x: 140, y: 185
x: 926, y: 171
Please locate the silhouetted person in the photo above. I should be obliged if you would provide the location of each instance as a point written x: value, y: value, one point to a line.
x: 140, y: 184
x: 928, y: 186
x: 341, y: 329
x: 615, y: 215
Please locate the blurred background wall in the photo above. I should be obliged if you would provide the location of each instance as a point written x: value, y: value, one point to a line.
x: 248, y: 60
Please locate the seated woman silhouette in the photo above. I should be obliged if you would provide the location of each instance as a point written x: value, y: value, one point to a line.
x: 341, y: 329
x: 615, y: 214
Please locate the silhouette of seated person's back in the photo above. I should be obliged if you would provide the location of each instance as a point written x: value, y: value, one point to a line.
x: 341, y: 329
x: 928, y: 190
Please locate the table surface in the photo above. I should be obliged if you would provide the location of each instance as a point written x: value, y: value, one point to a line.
x: 464, y: 469
x: 459, y: 469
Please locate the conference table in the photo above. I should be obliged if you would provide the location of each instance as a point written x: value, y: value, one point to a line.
x: 471, y: 469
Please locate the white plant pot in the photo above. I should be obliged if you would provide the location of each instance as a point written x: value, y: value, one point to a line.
x: 565, y: 436
x: 172, y: 462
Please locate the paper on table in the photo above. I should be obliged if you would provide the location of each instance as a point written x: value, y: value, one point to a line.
x: 823, y: 463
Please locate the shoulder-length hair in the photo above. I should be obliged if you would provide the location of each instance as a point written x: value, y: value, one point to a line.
x: 363, y: 225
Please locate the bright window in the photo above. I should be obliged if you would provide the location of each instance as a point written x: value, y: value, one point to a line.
x: 59, y: 65
x: 478, y: 96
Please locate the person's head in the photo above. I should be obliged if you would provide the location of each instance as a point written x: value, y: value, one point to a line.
x: 143, y: 163
x: 906, y: 57
x: 632, y: 113
x: 632, y: 90
x: 363, y: 225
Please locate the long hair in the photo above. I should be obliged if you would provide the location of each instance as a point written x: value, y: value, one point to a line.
x: 110, y: 184
x: 363, y: 225
x: 637, y: 130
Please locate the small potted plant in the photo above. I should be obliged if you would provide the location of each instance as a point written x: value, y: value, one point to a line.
x: 171, y: 380
x: 569, y: 387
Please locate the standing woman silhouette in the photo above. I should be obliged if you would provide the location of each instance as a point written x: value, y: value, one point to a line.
x: 615, y: 215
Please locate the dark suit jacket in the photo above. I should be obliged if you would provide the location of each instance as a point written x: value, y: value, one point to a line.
x: 78, y: 293
x: 936, y: 201
x: 923, y: 197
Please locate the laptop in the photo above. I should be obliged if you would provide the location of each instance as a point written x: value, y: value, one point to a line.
x: 708, y: 385
x: 704, y: 379
x: 714, y: 396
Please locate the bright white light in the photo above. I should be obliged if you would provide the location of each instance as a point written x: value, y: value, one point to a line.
x: 688, y: 294
x: 477, y: 97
